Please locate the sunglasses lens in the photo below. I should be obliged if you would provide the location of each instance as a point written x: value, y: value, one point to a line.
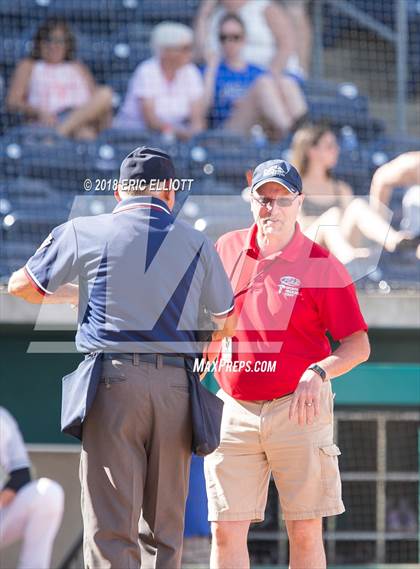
x: 229, y: 37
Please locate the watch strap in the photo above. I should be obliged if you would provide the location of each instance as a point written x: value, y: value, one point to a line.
x: 318, y: 369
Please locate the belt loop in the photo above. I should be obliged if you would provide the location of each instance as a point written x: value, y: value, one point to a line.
x: 136, y: 359
x: 159, y: 361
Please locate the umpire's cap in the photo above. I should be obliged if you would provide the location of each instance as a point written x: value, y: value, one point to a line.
x: 278, y: 171
x: 147, y: 164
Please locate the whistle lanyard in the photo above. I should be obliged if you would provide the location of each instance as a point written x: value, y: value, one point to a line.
x: 253, y: 279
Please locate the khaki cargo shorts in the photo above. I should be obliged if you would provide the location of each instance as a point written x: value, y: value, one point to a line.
x: 258, y: 439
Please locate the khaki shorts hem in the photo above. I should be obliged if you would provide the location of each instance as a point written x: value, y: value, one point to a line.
x: 314, y: 514
x: 236, y: 517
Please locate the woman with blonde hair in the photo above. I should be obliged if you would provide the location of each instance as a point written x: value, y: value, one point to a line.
x: 330, y: 214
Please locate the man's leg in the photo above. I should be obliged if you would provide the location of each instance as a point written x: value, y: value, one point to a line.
x: 113, y: 466
x: 237, y: 479
x: 306, y: 545
x: 169, y: 454
x: 99, y: 104
x: 34, y: 517
x: 229, y: 549
x: 304, y: 464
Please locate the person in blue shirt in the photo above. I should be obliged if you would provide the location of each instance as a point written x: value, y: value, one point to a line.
x: 142, y: 277
x: 239, y: 95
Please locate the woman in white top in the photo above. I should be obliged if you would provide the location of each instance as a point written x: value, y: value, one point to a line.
x: 331, y: 215
x: 53, y: 88
x: 165, y: 93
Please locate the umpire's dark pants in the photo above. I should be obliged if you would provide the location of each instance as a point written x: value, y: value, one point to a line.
x: 134, y: 466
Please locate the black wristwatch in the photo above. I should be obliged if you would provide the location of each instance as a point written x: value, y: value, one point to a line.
x: 318, y: 369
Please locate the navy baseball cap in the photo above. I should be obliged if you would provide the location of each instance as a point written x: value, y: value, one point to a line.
x: 147, y: 164
x: 278, y: 171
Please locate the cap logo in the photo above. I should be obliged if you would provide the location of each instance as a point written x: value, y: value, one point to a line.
x: 274, y: 171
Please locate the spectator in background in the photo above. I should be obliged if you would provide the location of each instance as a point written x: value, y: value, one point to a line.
x: 54, y: 89
x: 403, y: 171
x: 29, y: 511
x: 240, y: 94
x: 269, y: 43
x: 297, y: 10
x: 166, y: 91
x: 330, y: 202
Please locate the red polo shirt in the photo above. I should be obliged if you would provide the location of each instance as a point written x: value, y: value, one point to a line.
x: 285, y: 304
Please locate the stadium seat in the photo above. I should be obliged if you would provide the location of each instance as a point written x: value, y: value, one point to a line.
x: 152, y: 11
x: 226, y: 156
x: 354, y: 168
x: 385, y: 148
x: 110, y: 56
x: 20, y: 191
x: 14, y: 254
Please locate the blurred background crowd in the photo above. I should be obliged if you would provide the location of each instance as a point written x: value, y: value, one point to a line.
x: 222, y: 84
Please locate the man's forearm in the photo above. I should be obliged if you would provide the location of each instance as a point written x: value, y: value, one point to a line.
x: 22, y: 286
x: 65, y: 294
x: 353, y: 351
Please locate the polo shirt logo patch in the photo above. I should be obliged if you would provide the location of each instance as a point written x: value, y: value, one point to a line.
x: 289, y: 286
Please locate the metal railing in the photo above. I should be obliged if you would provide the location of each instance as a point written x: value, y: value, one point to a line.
x: 397, y: 37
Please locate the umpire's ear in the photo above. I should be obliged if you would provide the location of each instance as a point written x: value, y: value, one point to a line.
x: 248, y: 174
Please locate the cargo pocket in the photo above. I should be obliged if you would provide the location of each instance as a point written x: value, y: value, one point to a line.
x: 330, y: 474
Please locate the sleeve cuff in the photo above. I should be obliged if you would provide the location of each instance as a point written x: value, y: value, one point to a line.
x: 35, y: 282
x: 225, y: 313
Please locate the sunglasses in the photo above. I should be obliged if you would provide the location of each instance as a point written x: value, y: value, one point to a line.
x: 57, y: 41
x: 230, y: 37
x: 269, y: 203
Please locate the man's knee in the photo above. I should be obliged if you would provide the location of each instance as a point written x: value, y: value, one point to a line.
x: 50, y: 494
x: 226, y: 534
x: 304, y: 534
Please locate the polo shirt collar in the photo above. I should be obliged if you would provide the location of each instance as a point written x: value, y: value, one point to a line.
x: 289, y: 253
x: 147, y: 203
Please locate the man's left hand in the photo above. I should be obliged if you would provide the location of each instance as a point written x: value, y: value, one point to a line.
x: 306, y: 399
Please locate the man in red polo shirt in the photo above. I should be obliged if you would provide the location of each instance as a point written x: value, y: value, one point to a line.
x: 275, y: 377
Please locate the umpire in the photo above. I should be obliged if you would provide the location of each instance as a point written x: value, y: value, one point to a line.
x: 143, y: 276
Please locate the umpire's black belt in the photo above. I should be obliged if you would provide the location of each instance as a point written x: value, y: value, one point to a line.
x: 159, y: 360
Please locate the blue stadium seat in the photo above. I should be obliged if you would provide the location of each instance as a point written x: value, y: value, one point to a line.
x: 400, y: 270
x: 31, y: 224
x: 14, y: 254
x: 106, y: 57
x: 225, y: 156
x: 354, y: 168
x: 20, y: 191
x: 97, y: 13
x: 153, y: 11
x: 385, y: 148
